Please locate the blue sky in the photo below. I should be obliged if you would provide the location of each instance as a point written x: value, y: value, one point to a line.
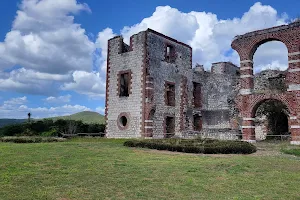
x: 53, y: 52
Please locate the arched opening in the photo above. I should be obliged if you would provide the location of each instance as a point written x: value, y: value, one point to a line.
x: 270, y: 55
x: 123, y: 121
x: 271, y: 120
x: 151, y: 114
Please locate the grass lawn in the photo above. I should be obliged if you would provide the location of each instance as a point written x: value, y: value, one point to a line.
x: 295, y: 152
x: 104, y: 169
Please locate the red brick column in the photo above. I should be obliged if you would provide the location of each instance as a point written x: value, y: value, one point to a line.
x: 293, y: 75
x: 294, y: 127
x: 246, y: 78
x: 149, y: 91
x: 248, y: 130
x: 293, y: 82
x: 247, y: 84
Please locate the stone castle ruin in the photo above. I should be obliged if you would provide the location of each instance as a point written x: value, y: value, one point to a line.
x: 152, y: 91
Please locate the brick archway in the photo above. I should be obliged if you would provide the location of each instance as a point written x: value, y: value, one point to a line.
x: 249, y: 133
x: 262, y: 100
x: 246, y: 45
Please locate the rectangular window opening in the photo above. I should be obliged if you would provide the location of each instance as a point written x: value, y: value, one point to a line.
x: 170, y: 90
x: 170, y: 53
x: 197, y: 95
x: 197, y: 123
x: 124, y: 85
x: 170, y: 126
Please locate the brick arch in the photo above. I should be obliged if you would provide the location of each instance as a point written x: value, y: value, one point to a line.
x: 255, y: 105
x: 246, y: 103
x: 247, y: 44
x: 247, y: 100
x: 262, y: 40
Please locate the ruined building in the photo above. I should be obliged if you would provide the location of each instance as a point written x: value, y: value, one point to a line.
x: 153, y: 91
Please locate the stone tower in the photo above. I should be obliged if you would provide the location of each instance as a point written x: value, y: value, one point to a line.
x: 146, y: 90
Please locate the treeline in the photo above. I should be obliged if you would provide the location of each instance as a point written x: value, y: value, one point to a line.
x: 49, y: 127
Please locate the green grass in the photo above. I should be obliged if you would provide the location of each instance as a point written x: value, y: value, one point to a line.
x: 295, y: 152
x: 105, y: 169
x: 30, y: 139
x: 85, y: 116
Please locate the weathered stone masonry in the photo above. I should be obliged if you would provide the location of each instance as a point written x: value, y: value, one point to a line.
x: 166, y: 97
x: 249, y: 99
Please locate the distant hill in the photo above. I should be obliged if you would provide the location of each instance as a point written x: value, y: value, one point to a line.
x: 88, y: 117
x: 5, y: 122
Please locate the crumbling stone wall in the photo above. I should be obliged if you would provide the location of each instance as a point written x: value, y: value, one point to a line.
x: 152, y: 72
x: 122, y: 58
x: 270, y: 81
x: 163, y: 72
x: 166, y: 96
x: 219, y: 88
x: 261, y: 128
x: 229, y: 95
x: 250, y: 98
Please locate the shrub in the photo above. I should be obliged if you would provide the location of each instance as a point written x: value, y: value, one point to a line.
x: 195, y: 146
x: 50, y: 133
x: 48, y: 127
x: 11, y: 130
x: 23, y: 139
x: 295, y: 152
x: 130, y: 143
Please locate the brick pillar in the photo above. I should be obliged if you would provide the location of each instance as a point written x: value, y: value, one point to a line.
x: 248, y: 130
x: 247, y: 84
x: 293, y: 83
x: 246, y: 78
x: 293, y: 75
x: 294, y: 129
x: 149, y: 91
x: 148, y: 128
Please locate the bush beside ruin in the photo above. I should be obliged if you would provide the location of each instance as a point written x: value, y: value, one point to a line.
x: 27, y: 139
x: 195, y: 146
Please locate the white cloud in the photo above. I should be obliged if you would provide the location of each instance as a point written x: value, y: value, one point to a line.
x: 17, y: 108
x: 272, y: 55
x: 209, y: 36
x: 166, y: 20
x: 44, y: 37
x: 31, y: 82
x: 47, y: 44
x: 100, y: 110
x: 55, y: 53
x: 90, y: 84
x: 60, y: 99
x: 101, y: 43
x: 15, y: 101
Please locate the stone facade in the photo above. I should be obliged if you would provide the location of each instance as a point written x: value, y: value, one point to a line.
x: 122, y: 59
x: 165, y: 97
x: 249, y: 98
